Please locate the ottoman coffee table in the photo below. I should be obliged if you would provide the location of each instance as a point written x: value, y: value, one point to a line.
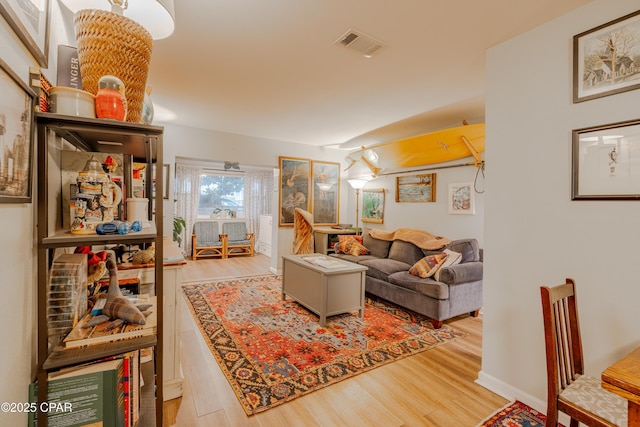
x: 325, y: 285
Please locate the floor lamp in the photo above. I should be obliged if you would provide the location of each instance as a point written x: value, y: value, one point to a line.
x: 357, y: 184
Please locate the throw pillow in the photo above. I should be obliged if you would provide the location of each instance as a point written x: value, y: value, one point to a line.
x: 351, y: 247
x: 453, y: 258
x: 427, y: 266
x: 344, y: 237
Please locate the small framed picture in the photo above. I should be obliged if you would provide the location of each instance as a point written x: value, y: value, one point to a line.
x: 606, y: 162
x: 165, y: 171
x: 16, y: 157
x: 373, y: 205
x: 416, y: 188
x: 605, y: 59
x: 462, y: 200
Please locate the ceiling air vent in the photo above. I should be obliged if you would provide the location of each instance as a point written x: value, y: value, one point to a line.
x: 360, y: 42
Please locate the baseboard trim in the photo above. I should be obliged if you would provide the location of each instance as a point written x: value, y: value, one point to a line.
x: 275, y: 270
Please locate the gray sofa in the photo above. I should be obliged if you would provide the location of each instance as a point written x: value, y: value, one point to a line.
x: 459, y: 290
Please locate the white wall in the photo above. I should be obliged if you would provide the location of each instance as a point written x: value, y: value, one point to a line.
x: 18, y: 253
x: 534, y: 234
x: 203, y: 144
x: 432, y: 217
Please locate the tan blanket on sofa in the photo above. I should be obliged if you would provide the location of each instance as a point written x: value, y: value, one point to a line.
x: 420, y: 238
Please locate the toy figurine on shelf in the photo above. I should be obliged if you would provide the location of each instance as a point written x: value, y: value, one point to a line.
x: 97, y: 198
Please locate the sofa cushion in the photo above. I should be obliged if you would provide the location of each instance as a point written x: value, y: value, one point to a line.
x: 427, y: 266
x: 381, y: 268
x: 452, y: 258
x: 377, y: 248
x: 428, y: 286
x: 405, y: 252
x: 467, y: 247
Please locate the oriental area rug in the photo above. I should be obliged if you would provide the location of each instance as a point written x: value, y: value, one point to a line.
x: 516, y: 414
x: 272, y: 351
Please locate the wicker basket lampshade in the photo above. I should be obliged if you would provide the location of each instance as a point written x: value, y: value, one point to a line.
x: 112, y: 44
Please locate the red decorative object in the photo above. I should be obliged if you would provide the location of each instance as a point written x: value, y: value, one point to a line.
x: 110, y: 105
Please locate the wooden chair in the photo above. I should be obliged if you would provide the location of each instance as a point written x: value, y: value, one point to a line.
x: 239, y: 241
x: 568, y: 389
x: 206, y: 241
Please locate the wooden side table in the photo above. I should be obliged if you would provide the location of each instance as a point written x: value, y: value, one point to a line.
x: 323, y: 235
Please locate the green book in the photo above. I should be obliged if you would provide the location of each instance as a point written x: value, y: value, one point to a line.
x: 84, y: 395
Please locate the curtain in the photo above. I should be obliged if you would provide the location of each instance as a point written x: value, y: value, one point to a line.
x: 258, y: 186
x: 187, y: 190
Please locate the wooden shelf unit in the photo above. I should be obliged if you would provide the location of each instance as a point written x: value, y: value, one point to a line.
x: 324, y: 235
x: 143, y: 143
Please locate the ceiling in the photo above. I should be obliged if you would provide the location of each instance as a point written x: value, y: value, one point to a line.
x: 271, y: 69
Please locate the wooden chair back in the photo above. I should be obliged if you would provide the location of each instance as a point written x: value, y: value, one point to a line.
x: 565, y: 362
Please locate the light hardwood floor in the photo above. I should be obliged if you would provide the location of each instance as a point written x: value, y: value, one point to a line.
x: 433, y: 388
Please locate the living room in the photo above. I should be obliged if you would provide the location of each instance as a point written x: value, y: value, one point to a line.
x: 531, y: 231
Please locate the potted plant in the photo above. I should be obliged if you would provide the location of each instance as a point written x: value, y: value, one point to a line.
x: 179, y: 224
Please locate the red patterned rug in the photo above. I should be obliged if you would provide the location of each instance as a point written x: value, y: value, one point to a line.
x: 273, y: 351
x: 516, y: 414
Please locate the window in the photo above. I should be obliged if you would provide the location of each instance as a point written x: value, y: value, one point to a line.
x: 221, y: 196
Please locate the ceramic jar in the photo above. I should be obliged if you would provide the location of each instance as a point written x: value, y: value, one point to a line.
x: 111, y: 102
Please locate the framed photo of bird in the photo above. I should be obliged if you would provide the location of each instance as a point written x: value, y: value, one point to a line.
x: 325, y: 203
x: 295, y: 188
x: 606, y: 162
x: 373, y: 205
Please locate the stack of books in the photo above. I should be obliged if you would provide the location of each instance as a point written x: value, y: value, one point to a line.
x: 105, y: 393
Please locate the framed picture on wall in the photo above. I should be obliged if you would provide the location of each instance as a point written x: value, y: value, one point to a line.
x: 295, y: 180
x: 606, y: 162
x: 462, y: 199
x: 30, y: 21
x: 326, y: 192
x: 416, y: 188
x: 605, y: 59
x: 373, y: 205
x: 16, y: 156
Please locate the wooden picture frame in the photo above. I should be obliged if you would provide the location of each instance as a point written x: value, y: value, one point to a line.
x: 325, y: 204
x: 606, y: 162
x: 295, y: 188
x: 166, y: 169
x: 462, y: 198
x: 416, y: 188
x: 373, y: 205
x: 603, y: 59
x: 17, y: 105
x: 30, y: 21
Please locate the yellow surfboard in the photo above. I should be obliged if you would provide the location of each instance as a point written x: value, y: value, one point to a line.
x: 427, y: 149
